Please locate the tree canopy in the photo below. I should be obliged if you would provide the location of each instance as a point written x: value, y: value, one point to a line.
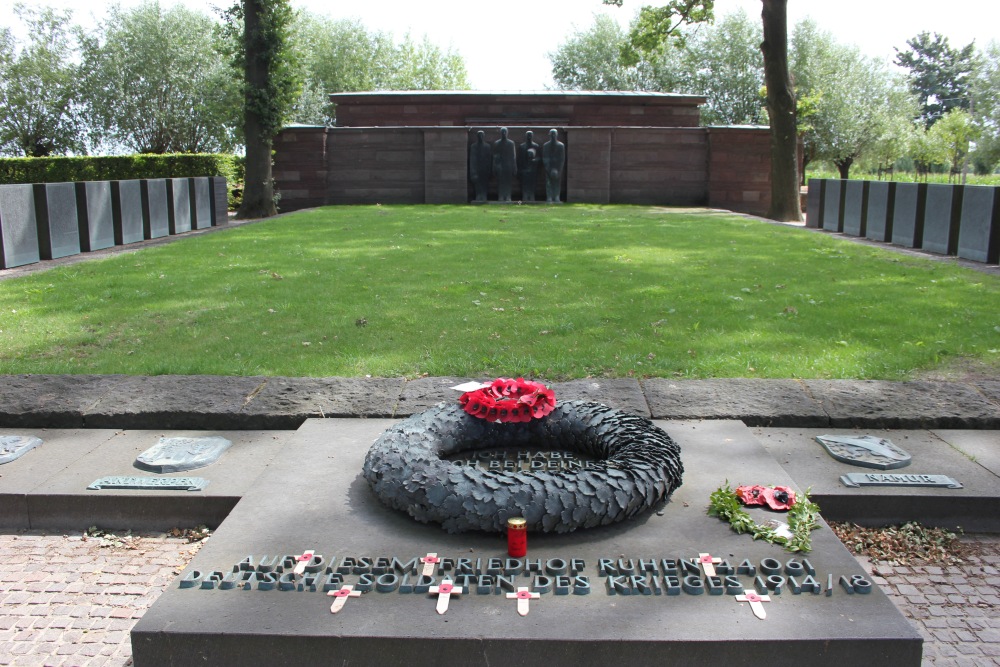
x: 156, y: 81
x: 39, y: 96
x: 940, y: 76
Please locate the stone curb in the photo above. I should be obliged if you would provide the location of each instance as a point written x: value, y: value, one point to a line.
x: 248, y: 403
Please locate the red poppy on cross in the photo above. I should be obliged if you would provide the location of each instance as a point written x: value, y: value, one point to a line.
x: 708, y: 563
x: 755, y: 603
x: 429, y: 561
x: 303, y: 560
x: 340, y: 597
x: 523, y: 597
x: 444, y: 593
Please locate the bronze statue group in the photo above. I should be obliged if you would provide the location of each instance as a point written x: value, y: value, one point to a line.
x: 505, y: 160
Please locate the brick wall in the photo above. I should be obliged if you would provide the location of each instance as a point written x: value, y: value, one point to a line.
x: 549, y: 109
x: 375, y: 165
x: 659, y: 166
x: 300, y: 167
x: 739, y: 169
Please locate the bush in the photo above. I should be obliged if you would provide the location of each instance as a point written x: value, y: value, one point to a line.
x: 125, y: 167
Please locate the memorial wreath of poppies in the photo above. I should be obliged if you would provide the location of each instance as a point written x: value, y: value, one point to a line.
x: 636, y: 464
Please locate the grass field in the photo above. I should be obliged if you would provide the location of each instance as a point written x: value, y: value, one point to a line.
x: 557, y: 293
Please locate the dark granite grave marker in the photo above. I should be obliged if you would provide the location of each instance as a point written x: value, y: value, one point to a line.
x: 126, y: 211
x: 942, y: 214
x: 94, y: 211
x: 855, y: 208
x: 979, y: 228
x: 18, y: 232
x: 201, y: 203
x: 179, y: 205
x: 220, y: 200
x: 15, y: 446
x: 908, y: 214
x: 155, y: 208
x: 878, y: 216
x: 814, y: 203
x: 56, y: 217
x: 833, y: 200
x: 182, y: 453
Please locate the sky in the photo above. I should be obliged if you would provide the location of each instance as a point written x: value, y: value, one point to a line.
x: 505, y: 45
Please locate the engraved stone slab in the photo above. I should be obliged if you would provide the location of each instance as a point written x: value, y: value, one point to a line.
x: 179, y: 199
x: 979, y: 227
x: 14, y: 446
x: 180, y: 454
x: 126, y: 203
x: 833, y: 220
x: 940, y: 219
x: 58, y: 226
x: 879, y: 218
x: 156, y: 216
x: 149, y: 483
x: 93, y: 203
x: 867, y: 451
x: 908, y: 214
x: 201, y: 195
x: 858, y: 479
x: 814, y: 203
x: 855, y: 208
x: 220, y: 201
x: 18, y: 232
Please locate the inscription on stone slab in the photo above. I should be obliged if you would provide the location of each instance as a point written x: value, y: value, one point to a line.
x: 180, y: 454
x: 867, y: 451
x: 13, y: 446
x: 147, y: 483
x: 856, y: 479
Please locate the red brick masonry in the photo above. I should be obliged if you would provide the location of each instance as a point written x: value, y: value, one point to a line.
x: 629, y: 148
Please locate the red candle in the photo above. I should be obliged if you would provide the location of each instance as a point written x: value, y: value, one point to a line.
x: 517, y: 537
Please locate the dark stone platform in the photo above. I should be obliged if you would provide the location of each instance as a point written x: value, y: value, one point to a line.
x: 313, y: 497
x: 966, y: 456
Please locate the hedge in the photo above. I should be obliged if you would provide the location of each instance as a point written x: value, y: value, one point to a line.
x: 125, y: 167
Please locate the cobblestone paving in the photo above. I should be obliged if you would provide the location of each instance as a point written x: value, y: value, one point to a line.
x: 66, y: 600
x: 955, y: 607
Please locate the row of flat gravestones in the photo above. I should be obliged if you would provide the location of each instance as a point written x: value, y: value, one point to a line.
x: 52, y: 220
x: 960, y: 220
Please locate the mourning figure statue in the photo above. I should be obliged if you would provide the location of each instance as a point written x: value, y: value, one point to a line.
x: 480, y: 164
x: 553, y: 160
x: 504, y: 164
x: 529, y: 154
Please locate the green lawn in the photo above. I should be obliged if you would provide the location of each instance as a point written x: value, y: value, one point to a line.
x: 552, y: 292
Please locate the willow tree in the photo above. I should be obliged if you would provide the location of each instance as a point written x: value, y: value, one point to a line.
x: 270, y: 88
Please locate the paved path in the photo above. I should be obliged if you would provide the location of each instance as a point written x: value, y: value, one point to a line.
x: 65, y: 600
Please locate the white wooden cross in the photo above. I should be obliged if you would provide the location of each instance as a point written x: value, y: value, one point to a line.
x: 340, y: 597
x: 429, y: 561
x: 523, y: 596
x: 755, y: 603
x: 303, y: 560
x: 709, y: 563
x: 444, y: 593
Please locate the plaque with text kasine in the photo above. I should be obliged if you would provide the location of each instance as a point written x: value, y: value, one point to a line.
x: 858, y: 479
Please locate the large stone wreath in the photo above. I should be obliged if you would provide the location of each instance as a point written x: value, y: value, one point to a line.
x: 637, y: 466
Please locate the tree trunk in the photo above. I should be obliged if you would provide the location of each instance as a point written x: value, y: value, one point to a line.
x: 785, y: 205
x: 844, y: 166
x: 258, y: 186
